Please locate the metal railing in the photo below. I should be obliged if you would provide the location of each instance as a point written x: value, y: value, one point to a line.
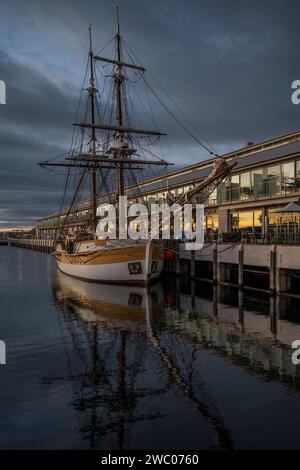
x: 270, y: 188
x: 282, y: 235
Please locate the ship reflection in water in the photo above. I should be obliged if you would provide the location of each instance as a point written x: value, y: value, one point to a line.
x: 181, y: 366
x: 143, y: 346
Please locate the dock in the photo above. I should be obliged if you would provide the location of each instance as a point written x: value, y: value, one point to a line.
x: 32, y: 244
x: 274, y: 269
x: 268, y: 268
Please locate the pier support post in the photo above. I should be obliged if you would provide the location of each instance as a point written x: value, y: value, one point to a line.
x: 277, y: 278
x: 273, y: 316
x: 273, y: 270
x: 193, y: 294
x: 240, y: 266
x: 177, y: 258
x: 241, y: 308
x: 221, y: 271
x: 170, y: 261
x: 216, y: 297
x: 215, y: 263
x: 193, y: 263
x: 283, y: 280
x: 177, y: 293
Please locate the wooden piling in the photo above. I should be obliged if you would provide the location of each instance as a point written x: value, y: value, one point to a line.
x: 215, y: 263
x: 273, y: 271
x: 240, y: 266
x: 193, y: 263
x: 177, y: 258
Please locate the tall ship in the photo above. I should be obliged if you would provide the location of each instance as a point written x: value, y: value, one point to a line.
x: 108, y: 155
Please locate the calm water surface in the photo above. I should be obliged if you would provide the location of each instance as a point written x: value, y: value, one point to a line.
x: 92, y: 366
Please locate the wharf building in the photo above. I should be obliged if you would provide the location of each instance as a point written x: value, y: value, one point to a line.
x: 266, y: 177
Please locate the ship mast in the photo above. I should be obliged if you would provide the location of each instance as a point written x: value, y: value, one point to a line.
x: 119, y: 117
x: 92, y: 151
x: 120, y: 157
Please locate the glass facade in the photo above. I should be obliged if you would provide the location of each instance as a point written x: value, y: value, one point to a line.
x: 223, y: 192
x: 213, y: 197
x: 265, y: 182
x: 257, y: 220
x: 287, y: 177
x: 235, y: 187
x: 245, y: 186
x: 269, y: 181
x: 273, y: 180
x: 283, y: 227
x: 275, y: 218
x: 246, y: 221
x: 257, y: 183
x: 212, y: 223
x: 297, y: 175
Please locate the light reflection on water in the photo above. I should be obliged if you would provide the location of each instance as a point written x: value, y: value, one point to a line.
x: 180, y: 366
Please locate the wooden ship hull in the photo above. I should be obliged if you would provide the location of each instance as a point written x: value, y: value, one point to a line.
x: 126, y: 262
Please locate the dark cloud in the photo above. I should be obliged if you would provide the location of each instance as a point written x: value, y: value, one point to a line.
x: 229, y: 65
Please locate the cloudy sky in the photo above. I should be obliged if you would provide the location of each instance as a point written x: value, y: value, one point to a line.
x: 228, y: 64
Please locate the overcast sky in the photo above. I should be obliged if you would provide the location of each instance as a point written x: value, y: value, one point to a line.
x: 228, y: 64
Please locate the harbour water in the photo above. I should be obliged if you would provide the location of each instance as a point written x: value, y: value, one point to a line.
x: 183, y: 366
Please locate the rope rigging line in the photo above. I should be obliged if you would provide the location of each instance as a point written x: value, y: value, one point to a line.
x: 199, y: 141
x: 184, y: 127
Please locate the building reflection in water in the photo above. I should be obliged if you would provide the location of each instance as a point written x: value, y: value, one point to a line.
x: 125, y: 345
x: 252, y: 329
